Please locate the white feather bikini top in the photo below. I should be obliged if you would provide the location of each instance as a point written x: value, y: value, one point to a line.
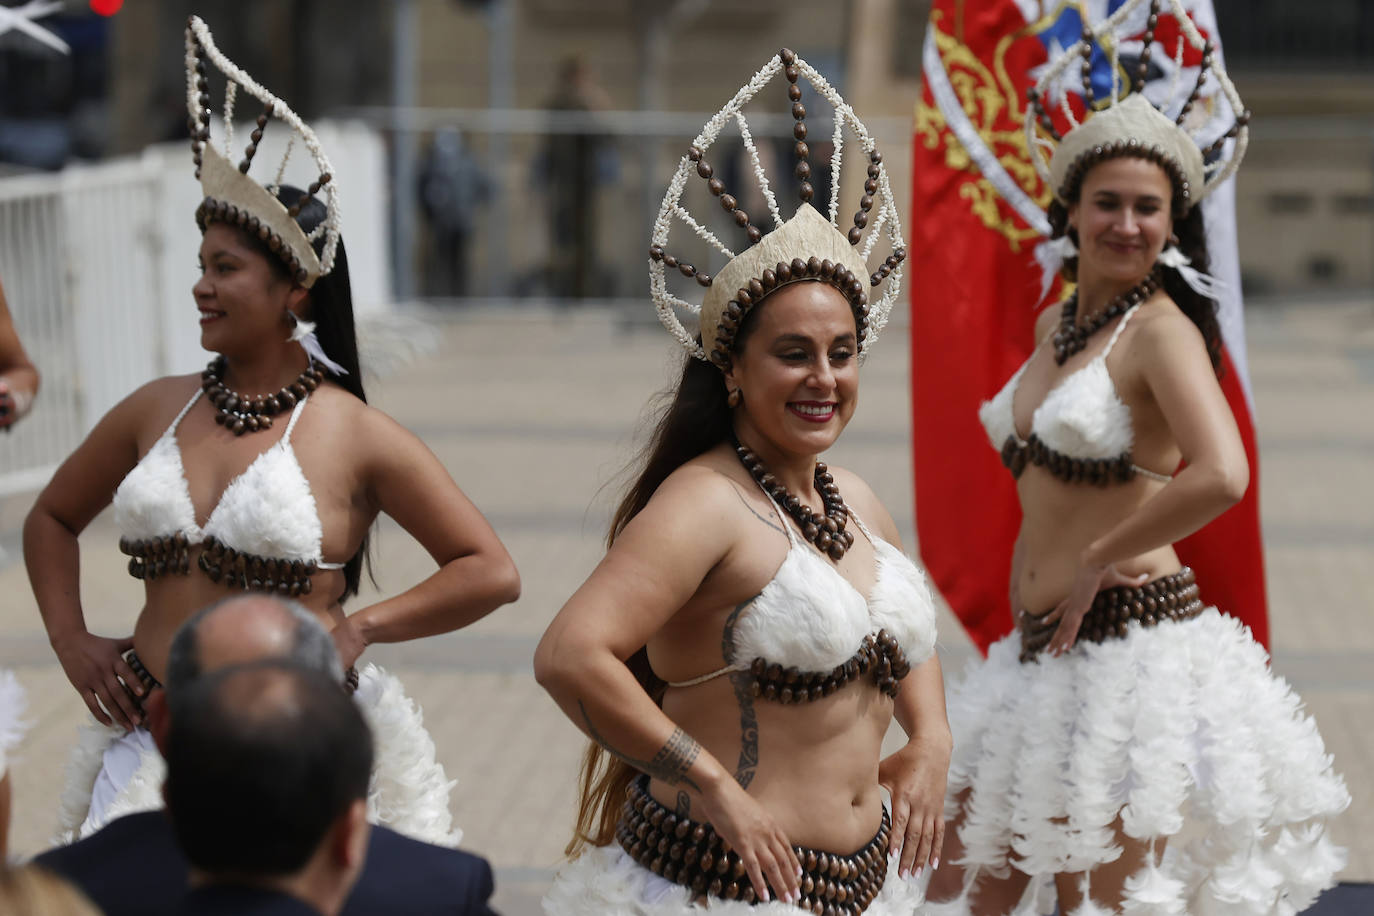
x: 267, y: 512
x: 809, y: 618
x: 1081, y: 424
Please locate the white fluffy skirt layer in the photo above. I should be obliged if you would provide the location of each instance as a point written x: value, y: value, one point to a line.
x: 409, y: 791
x: 1182, y: 733
x: 605, y: 880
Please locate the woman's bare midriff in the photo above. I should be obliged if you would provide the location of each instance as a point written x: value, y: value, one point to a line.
x: 817, y: 763
x: 172, y: 599
x: 1060, y: 520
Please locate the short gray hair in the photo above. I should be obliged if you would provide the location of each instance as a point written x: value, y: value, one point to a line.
x: 311, y: 645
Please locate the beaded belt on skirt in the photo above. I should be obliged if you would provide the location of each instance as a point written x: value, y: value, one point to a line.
x: 144, y: 676
x: 1172, y: 597
x: 692, y: 854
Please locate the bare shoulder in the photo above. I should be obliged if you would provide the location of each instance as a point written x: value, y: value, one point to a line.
x: 156, y: 403
x: 1047, y: 320
x: 707, y: 485
x: 1160, y: 326
x: 859, y: 496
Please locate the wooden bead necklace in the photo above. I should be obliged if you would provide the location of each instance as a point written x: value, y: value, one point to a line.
x: 827, y: 532
x: 242, y: 414
x: 1072, y: 337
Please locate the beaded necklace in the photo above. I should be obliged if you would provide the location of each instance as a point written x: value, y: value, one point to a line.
x: 826, y: 531
x: 1072, y: 337
x: 243, y: 414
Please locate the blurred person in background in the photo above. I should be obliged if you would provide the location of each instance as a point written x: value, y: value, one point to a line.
x: 452, y: 189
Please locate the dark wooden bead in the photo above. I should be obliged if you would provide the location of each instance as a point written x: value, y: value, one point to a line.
x: 704, y: 169
x: 803, y: 170
x: 798, y: 110
x: 799, y: 130
x: 801, y: 149
x: 728, y: 202
x: 791, y: 72
x: 716, y: 186
x: 855, y: 235
x: 807, y: 192
x: 755, y: 234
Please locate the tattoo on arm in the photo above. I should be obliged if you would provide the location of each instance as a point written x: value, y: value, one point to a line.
x: 670, y: 764
x: 744, y: 697
x: 770, y: 522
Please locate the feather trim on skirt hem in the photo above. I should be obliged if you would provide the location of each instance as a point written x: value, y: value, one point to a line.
x: 1178, y: 732
x: 605, y: 880
x: 409, y: 791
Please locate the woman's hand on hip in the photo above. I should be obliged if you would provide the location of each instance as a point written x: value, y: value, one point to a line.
x: 349, y: 642
x: 1087, y: 582
x: 756, y: 838
x: 95, y: 665
x: 915, y: 778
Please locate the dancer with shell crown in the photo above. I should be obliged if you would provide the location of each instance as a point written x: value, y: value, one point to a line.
x: 1127, y: 749
x: 754, y: 628
x: 263, y: 473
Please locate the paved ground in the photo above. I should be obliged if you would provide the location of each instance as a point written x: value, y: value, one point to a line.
x: 535, y: 413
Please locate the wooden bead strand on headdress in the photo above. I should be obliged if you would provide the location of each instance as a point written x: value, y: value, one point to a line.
x: 826, y: 531
x: 727, y: 200
x: 243, y: 414
x: 1086, y: 69
x: 251, y: 150
x: 1072, y: 337
x: 1143, y: 68
x: 1197, y: 87
x: 805, y: 191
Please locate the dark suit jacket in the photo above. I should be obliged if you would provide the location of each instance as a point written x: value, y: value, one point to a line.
x: 133, y: 867
x: 228, y: 900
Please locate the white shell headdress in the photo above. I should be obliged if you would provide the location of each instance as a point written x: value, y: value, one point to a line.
x: 808, y: 246
x: 230, y: 194
x: 1178, y: 132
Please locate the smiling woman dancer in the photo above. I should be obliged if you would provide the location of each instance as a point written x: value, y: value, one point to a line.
x: 273, y: 489
x: 754, y: 627
x: 1129, y: 749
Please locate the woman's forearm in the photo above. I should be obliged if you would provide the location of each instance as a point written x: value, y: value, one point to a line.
x: 602, y: 698
x: 1192, y: 499
x: 52, y: 557
x: 920, y: 705
x: 460, y: 592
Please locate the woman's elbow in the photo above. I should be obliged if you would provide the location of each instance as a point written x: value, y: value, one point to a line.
x: 1231, y: 480
x: 551, y: 670
x: 506, y: 583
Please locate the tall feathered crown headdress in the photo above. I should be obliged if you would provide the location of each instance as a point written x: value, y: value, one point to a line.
x: 1152, y: 121
x: 808, y: 246
x: 1187, y: 136
x: 230, y: 194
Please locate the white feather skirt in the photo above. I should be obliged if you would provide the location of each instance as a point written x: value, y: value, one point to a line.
x: 1179, y: 730
x: 605, y: 881
x: 409, y: 791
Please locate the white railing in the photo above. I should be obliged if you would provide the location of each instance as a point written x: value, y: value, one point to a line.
x: 98, y: 262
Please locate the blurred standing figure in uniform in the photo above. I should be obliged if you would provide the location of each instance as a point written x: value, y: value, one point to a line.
x: 571, y: 166
x: 452, y: 187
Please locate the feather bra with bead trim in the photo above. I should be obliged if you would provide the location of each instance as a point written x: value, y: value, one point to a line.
x: 1081, y: 432
x: 263, y: 533
x: 809, y: 632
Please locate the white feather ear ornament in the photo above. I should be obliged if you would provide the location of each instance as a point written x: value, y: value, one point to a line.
x: 304, y: 334
x: 1051, y: 255
x: 1201, y: 283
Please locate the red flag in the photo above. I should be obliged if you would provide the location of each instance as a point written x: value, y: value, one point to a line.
x: 978, y: 214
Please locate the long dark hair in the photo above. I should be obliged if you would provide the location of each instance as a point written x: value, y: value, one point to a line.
x: 1192, y: 241
x: 694, y: 419
x: 331, y: 308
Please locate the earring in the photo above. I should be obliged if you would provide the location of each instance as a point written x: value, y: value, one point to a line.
x: 290, y: 318
x: 734, y: 398
x: 1173, y: 240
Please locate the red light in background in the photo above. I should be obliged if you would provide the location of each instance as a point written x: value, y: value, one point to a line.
x: 106, y: 7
